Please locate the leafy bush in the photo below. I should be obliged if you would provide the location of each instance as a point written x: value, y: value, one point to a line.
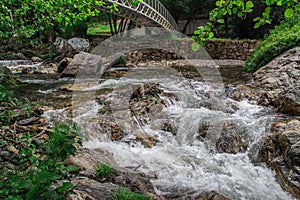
x: 283, y: 37
x: 40, y: 168
x: 126, y: 194
x: 104, y: 171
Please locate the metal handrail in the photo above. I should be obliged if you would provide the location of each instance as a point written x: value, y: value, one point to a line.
x: 152, y: 9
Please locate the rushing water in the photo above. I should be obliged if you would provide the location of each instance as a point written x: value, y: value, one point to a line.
x: 182, y: 162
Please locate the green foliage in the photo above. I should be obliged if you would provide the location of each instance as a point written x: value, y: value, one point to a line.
x: 126, y: 194
x: 201, y: 35
x: 104, y: 171
x: 122, y: 60
x: 40, y: 167
x: 282, y: 38
x: 62, y: 141
x: 24, y: 19
x: 177, y: 7
x: 240, y: 8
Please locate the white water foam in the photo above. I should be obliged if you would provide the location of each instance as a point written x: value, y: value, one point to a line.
x: 182, y: 161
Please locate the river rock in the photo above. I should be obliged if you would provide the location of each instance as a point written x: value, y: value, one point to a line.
x: 289, y: 101
x: 232, y: 140
x: 86, y: 159
x: 146, y: 103
x: 85, y: 62
x: 48, y: 68
x: 36, y: 59
x: 213, y: 195
x: 281, y: 152
x: 86, y: 188
x: 79, y: 44
x: 133, y: 179
x: 72, y: 46
x: 280, y: 80
x: 61, y: 44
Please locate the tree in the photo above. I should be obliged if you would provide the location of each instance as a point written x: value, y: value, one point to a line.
x: 241, y: 8
x: 40, y: 18
x: 187, y: 9
x: 177, y: 7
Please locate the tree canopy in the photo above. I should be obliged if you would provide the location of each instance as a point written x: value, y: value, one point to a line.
x: 40, y: 18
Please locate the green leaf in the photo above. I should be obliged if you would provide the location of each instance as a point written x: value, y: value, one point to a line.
x: 221, y: 21
x: 239, y: 14
x: 279, y: 3
x: 297, y: 7
x: 257, y: 25
x: 134, y: 2
x: 195, y: 46
x: 219, y: 3
x: 220, y: 13
x: 234, y: 10
x: 289, y: 13
x: 229, y: 11
x: 249, y: 4
x: 65, y: 187
x: 256, y: 19
x: 72, y: 168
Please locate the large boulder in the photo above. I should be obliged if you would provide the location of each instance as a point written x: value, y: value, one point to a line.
x: 281, y: 152
x: 280, y: 80
x: 87, y: 63
x: 72, y: 46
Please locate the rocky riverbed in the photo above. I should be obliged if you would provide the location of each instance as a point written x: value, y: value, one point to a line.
x: 174, y: 138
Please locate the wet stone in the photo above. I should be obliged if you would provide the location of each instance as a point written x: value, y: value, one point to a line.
x: 232, y: 140
x: 281, y: 152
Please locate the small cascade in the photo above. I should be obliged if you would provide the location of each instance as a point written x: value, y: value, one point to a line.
x: 182, y: 136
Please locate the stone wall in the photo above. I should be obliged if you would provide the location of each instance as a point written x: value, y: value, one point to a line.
x: 231, y: 49
x: 157, y: 49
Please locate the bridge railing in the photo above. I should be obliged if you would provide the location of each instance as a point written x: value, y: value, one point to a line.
x: 162, y: 10
x: 152, y: 9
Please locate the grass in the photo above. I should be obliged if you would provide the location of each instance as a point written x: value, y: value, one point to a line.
x: 98, y: 29
x: 104, y: 171
x: 126, y: 194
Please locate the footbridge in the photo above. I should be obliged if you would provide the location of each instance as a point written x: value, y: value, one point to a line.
x: 146, y: 12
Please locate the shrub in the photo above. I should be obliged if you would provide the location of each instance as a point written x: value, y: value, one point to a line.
x: 283, y: 37
x: 126, y: 194
x: 38, y: 174
x: 104, y: 171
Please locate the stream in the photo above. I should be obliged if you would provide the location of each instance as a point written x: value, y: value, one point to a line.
x: 184, y: 158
